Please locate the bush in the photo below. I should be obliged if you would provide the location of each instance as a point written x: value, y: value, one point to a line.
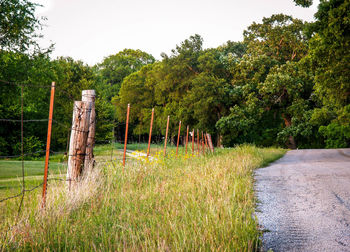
x: 31, y: 145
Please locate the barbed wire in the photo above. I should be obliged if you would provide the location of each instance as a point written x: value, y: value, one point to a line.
x: 18, y: 120
x: 24, y: 84
x: 70, y: 97
x: 36, y: 187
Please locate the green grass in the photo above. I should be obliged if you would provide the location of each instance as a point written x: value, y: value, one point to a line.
x: 13, y: 169
x: 11, y: 175
x: 174, y: 203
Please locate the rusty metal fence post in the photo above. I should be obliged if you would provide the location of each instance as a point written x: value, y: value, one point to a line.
x: 178, y: 138
x: 150, y: 133
x: 187, y: 138
x: 197, y: 142
x: 126, y: 134
x: 48, y: 142
x: 193, y: 142
x: 166, y: 135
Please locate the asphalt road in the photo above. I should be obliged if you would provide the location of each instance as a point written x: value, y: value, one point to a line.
x: 304, y: 201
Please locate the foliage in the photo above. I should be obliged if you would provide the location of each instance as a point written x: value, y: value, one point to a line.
x: 280, y: 37
x: 31, y: 144
x: 286, y: 84
x: 303, y: 3
x: 115, y: 68
x: 330, y: 53
x: 19, y: 25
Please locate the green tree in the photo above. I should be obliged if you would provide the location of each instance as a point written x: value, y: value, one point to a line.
x: 330, y: 56
x: 137, y: 91
x: 262, y: 92
x: 287, y: 90
x: 115, y: 68
x: 303, y: 3
x: 33, y: 71
x: 280, y: 37
x: 19, y: 25
x: 330, y: 53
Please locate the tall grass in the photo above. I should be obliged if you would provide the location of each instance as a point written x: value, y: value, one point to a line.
x: 172, y: 204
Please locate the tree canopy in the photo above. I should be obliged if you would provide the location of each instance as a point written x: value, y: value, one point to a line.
x: 286, y: 83
x: 19, y: 27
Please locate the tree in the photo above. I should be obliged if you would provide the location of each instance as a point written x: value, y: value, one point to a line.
x: 287, y: 89
x: 264, y: 82
x: 330, y: 53
x: 137, y: 91
x: 330, y: 56
x: 248, y: 113
x: 207, y: 101
x: 115, y: 68
x: 303, y: 3
x: 280, y: 37
x: 19, y: 25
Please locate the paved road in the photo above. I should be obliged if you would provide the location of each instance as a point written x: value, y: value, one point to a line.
x: 305, y: 201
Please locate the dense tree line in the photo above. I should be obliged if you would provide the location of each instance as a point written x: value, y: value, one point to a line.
x: 287, y: 83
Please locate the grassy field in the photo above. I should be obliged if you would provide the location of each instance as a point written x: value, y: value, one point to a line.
x: 167, y: 204
x: 11, y: 170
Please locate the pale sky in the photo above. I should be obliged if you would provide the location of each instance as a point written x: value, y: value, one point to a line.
x: 90, y: 30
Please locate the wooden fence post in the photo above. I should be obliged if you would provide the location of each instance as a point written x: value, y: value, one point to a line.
x: 206, y: 142
x: 89, y: 96
x: 78, y: 139
x: 126, y: 134
x: 178, y: 138
x: 210, y: 143
x: 166, y: 135
x: 48, y: 142
x: 150, y: 133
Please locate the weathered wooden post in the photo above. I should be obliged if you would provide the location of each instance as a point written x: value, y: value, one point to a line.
x: 178, y: 138
x: 206, y: 141
x: 78, y: 139
x: 150, y: 133
x: 210, y: 143
x: 166, y: 135
x: 89, y: 96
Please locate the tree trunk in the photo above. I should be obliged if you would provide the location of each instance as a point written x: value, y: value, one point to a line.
x: 291, y: 141
x: 219, y: 140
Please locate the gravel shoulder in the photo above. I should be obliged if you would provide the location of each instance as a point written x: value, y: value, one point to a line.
x: 304, y: 201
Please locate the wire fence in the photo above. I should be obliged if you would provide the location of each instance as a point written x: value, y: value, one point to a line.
x: 111, y: 143
x: 25, y: 189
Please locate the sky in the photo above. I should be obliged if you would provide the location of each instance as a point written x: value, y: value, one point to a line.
x: 90, y: 30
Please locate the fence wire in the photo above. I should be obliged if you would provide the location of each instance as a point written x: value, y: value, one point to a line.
x: 22, y: 155
x: 22, y: 121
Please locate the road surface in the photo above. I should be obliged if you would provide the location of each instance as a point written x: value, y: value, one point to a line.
x: 304, y: 201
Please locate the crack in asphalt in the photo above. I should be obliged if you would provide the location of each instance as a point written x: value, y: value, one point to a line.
x: 347, y: 206
x: 341, y: 152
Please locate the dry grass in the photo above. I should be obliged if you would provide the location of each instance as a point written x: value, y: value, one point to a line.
x: 202, y: 203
